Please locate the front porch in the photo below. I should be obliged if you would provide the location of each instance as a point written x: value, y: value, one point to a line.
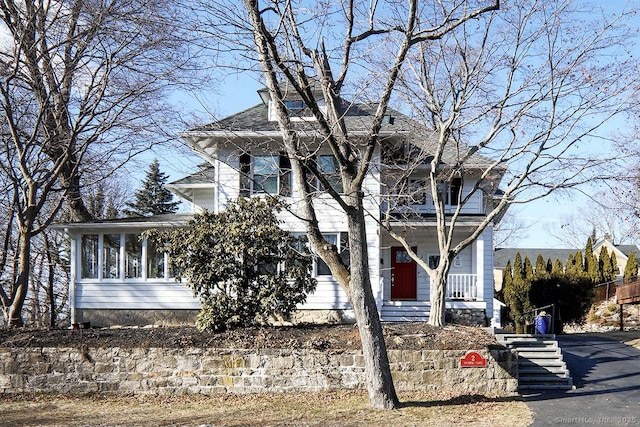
x: 463, y: 299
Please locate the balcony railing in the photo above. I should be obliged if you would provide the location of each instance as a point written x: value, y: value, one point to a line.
x: 461, y: 287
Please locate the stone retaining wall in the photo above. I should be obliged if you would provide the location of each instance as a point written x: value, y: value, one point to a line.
x: 162, y: 371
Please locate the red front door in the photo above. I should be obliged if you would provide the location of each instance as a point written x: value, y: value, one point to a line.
x: 403, y: 275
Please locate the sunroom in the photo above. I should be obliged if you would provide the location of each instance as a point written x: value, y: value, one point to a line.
x: 120, y: 278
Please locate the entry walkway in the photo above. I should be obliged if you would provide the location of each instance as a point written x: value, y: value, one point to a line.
x: 606, y: 374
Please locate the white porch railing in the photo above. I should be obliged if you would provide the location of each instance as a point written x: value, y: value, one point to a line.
x: 461, y: 287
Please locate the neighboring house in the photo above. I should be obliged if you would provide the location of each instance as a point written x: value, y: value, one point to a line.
x: 622, y: 252
x: 115, y: 273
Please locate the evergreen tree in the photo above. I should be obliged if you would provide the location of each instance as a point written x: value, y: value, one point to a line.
x: 153, y: 198
x: 528, y: 269
x: 558, y: 268
x: 631, y: 270
x: 571, y: 262
x: 605, y: 266
x: 549, y: 266
x: 242, y: 266
x: 541, y: 267
x: 591, y: 263
x: 614, y: 263
x: 578, y: 265
x: 517, y: 295
x: 507, y: 280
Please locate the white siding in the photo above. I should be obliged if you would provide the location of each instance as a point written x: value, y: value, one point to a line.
x: 488, y: 285
x: 327, y: 296
x: 203, y: 198
x: 228, y: 173
x: 148, y: 295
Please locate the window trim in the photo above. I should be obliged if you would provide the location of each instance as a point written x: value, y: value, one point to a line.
x: 248, y: 184
x: 342, y: 245
x: 144, y: 260
x: 450, y: 191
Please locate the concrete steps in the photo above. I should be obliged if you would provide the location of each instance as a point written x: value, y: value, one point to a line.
x: 405, y: 312
x: 540, y: 362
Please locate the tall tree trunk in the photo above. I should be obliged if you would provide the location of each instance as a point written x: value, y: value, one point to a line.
x: 19, y: 292
x: 382, y: 393
x: 438, y: 292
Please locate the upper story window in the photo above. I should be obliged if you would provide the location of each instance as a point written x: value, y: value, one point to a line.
x: 450, y: 191
x: 265, y: 174
x: 298, y: 110
x: 328, y: 165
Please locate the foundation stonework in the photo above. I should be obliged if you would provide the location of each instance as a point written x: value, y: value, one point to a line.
x: 160, y: 371
x: 105, y: 318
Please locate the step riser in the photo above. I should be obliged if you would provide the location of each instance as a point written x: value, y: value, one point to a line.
x: 540, y: 362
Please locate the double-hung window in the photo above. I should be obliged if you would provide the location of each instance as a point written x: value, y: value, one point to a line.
x: 89, y: 256
x: 411, y: 192
x: 110, y: 256
x: 341, y: 242
x: 329, y: 167
x: 265, y: 174
x: 450, y: 191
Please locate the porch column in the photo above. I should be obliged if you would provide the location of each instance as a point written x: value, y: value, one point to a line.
x: 479, y: 255
x: 73, y: 273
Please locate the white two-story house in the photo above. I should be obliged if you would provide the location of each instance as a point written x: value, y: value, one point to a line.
x: 118, y: 279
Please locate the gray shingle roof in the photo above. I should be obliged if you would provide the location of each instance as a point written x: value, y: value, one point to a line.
x: 628, y: 249
x: 205, y: 175
x: 503, y: 255
x: 358, y: 117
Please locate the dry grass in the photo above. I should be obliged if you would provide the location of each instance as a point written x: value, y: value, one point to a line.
x: 342, y: 408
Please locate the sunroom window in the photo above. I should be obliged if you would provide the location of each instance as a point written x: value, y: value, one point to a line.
x: 89, y: 262
x: 111, y: 256
x: 155, y: 261
x: 133, y: 256
x: 101, y: 258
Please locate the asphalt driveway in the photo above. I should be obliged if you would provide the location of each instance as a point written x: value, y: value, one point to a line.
x: 607, y: 378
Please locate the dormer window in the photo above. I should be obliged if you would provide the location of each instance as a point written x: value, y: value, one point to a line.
x: 298, y: 110
x: 295, y: 108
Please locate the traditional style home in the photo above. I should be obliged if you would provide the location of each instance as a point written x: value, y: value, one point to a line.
x: 116, y: 278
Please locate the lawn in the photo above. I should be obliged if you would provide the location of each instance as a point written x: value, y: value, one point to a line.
x: 340, y: 408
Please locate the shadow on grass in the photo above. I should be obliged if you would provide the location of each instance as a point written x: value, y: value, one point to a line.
x: 464, y: 399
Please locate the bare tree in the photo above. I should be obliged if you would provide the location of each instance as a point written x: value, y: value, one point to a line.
x: 519, y: 98
x: 322, y: 49
x: 83, y: 88
x: 610, y: 213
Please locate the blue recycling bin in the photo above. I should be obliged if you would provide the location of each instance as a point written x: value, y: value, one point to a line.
x: 543, y: 324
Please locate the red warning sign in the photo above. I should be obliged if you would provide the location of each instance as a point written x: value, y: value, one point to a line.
x: 473, y: 360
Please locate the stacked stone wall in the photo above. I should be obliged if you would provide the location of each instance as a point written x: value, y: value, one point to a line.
x: 160, y: 371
